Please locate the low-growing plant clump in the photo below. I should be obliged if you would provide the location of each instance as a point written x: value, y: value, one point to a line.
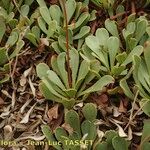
x: 74, y: 74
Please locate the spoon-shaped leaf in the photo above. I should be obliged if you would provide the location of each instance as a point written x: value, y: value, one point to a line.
x: 112, y: 27
x: 2, y: 29
x: 72, y: 118
x: 113, y: 47
x: 136, y: 51
x: 70, y: 8
x: 45, y: 14
x: 98, y: 86
x: 49, y: 135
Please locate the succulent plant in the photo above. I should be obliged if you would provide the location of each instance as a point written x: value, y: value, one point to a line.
x: 144, y: 145
x: 12, y: 32
x: 4, y: 73
x: 83, y: 134
x: 141, y: 76
x: 79, y: 131
x: 55, y: 85
x: 107, y: 49
x: 51, y: 21
x: 108, y: 6
x: 13, y: 6
x: 136, y: 32
x: 112, y: 142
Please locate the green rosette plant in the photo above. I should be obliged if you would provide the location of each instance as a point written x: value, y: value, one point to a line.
x: 13, y: 6
x: 56, y: 86
x: 79, y: 132
x: 141, y: 76
x: 107, y: 49
x: 52, y: 22
x: 136, y: 31
x: 12, y: 32
x: 83, y: 134
x: 106, y: 46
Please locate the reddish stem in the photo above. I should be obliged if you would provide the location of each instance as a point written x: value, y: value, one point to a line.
x: 118, y: 15
x: 67, y: 45
x: 133, y: 9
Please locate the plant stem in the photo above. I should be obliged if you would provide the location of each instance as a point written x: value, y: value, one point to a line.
x: 67, y: 42
x: 133, y: 9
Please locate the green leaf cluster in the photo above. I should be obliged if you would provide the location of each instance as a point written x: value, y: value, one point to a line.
x: 73, y: 136
x: 51, y: 22
x: 12, y: 32
x: 55, y: 85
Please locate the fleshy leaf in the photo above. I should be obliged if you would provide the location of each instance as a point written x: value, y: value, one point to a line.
x: 12, y: 39
x: 49, y: 135
x: 41, y: 3
x: 83, y: 32
x: 136, y: 51
x: 3, y: 56
x: 119, y: 143
x: 126, y: 89
x: 102, y: 35
x: 53, y: 77
x: 141, y: 29
x: 112, y: 27
x: 70, y: 8
x: 61, y: 135
x: 2, y: 28
x: 56, y: 13
x: 74, y: 64
x: 98, y: 86
x: 113, y: 48
x: 41, y: 70
x: 61, y: 61
x: 45, y: 14
x: 144, y: 145
x: 72, y: 118
x: 145, y: 105
x: 90, y: 111
x: 147, y: 55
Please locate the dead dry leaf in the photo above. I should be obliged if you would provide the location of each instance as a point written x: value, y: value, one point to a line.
x: 13, y: 99
x: 6, y: 93
x: 8, y: 132
x: 129, y: 134
x: 122, y: 108
x: 68, y: 128
x: 137, y: 133
x: 44, y: 41
x: 121, y: 132
x: 26, y: 117
x: 27, y: 72
x: 1, y: 101
x: 53, y: 112
x: 32, y: 87
x: 78, y: 106
x: 56, y: 122
x: 23, y: 80
x: 6, y: 112
x: 116, y: 112
x: 100, y: 135
x: 52, y: 1
x: 35, y: 137
x: 101, y: 100
x: 25, y: 105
